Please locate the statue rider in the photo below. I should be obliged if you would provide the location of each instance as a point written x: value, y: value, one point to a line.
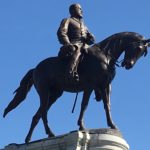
x: 73, y: 34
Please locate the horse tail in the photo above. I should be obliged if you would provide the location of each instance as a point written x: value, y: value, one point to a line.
x: 21, y: 92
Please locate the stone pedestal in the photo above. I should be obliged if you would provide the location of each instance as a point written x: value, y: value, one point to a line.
x: 96, y: 139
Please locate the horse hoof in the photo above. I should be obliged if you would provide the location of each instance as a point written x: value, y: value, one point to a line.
x: 114, y: 127
x: 81, y: 128
x: 51, y: 135
x: 27, y: 140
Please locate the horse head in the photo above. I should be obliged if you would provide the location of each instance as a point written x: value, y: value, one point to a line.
x: 133, y: 51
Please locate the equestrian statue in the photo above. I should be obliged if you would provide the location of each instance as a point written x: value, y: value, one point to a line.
x: 96, y: 69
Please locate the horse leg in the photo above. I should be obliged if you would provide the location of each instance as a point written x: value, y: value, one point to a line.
x: 35, y: 121
x: 47, y: 129
x: 84, y: 104
x: 42, y: 109
x: 52, y: 98
x: 106, y: 100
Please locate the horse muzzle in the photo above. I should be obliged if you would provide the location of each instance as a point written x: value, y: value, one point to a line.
x: 127, y: 64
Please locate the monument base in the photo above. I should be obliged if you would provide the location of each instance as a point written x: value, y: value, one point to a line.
x: 96, y: 139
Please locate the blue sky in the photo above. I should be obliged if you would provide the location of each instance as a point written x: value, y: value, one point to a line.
x: 28, y: 35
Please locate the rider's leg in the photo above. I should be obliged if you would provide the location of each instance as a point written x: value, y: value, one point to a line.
x: 74, y: 64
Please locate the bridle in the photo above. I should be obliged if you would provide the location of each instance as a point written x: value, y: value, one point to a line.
x: 145, y: 43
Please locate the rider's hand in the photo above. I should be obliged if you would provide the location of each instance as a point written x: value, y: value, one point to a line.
x: 69, y: 49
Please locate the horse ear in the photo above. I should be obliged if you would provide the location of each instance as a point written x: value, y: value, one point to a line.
x: 146, y: 42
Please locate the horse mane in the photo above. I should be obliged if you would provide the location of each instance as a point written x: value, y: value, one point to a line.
x: 117, y: 38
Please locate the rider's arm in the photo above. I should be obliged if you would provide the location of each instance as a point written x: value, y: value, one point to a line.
x: 90, y: 39
x: 62, y: 32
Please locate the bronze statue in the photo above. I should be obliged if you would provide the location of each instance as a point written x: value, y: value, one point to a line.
x: 74, y: 35
x: 96, y: 71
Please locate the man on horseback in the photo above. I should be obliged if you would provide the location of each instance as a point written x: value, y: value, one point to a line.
x: 75, y: 37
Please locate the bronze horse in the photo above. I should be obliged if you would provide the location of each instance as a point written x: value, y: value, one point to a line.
x: 96, y: 71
